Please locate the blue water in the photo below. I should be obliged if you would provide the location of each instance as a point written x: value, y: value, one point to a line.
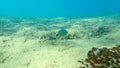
x: 58, y: 8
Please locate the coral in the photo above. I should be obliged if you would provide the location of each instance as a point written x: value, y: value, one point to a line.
x: 105, y: 57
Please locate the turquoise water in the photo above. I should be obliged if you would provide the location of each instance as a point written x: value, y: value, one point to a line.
x: 58, y: 8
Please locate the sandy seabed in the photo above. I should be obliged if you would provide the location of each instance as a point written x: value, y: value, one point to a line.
x: 32, y: 42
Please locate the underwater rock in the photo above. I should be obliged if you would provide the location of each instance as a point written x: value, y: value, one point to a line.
x: 104, y: 57
x: 62, y: 34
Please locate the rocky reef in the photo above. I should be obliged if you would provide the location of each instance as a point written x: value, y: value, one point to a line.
x: 102, y: 58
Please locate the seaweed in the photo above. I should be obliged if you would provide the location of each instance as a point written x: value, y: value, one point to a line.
x: 100, y: 31
x: 7, y: 27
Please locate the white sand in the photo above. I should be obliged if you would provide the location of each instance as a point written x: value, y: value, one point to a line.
x: 29, y: 54
x: 19, y: 51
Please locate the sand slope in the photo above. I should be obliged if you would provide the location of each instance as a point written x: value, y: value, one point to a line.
x: 32, y: 43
